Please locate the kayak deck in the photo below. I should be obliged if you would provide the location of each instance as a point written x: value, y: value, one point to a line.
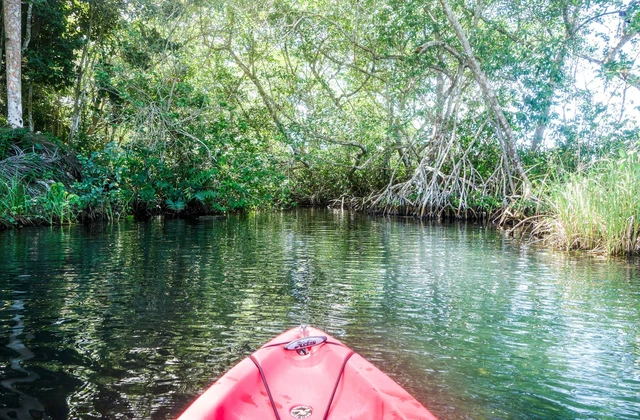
x: 317, y: 378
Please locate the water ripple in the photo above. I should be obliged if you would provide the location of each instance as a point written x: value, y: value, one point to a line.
x: 135, y: 319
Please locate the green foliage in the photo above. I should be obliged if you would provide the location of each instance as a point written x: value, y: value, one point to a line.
x: 22, y: 205
x: 10, y: 138
x: 599, y: 210
x: 54, y: 41
x: 263, y: 104
x: 58, y: 205
x: 117, y: 181
x: 15, y: 202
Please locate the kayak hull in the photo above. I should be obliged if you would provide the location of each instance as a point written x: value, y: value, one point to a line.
x: 323, y: 381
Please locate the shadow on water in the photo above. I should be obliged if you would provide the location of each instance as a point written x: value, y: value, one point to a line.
x: 134, y: 320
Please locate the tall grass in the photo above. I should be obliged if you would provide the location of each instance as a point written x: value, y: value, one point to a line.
x: 598, y: 210
x: 15, y: 201
x: 22, y: 205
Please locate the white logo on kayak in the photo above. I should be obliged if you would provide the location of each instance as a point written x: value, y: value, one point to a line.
x: 301, y: 412
x: 305, y: 342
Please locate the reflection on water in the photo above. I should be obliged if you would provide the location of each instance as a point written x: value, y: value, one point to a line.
x: 134, y: 320
x: 28, y: 404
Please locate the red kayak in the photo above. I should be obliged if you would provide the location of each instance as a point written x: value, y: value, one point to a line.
x: 305, y: 374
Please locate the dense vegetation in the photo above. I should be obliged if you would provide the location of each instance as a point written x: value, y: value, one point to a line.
x: 439, y: 108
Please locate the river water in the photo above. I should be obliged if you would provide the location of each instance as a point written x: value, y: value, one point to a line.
x: 134, y: 320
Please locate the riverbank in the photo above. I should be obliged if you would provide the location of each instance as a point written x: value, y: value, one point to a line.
x: 42, y: 182
x: 596, y: 211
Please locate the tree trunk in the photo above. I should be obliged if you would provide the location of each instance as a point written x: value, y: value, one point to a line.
x: 13, y: 33
x: 78, y: 101
x: 481, y: 78
x: 30, y: 106
x: 538, y: 135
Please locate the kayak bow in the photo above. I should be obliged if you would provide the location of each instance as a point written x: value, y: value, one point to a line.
x: 305, y: 374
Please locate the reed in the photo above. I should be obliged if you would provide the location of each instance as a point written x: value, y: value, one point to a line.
x: 599, y: 210
x: 22, y: 204
x: 15, y: 201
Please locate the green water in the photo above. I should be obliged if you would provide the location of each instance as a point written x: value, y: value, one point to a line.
x: 134, y: 320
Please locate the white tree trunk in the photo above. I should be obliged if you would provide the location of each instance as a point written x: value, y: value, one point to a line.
x: 13, y: 31
x: 489, y: 94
